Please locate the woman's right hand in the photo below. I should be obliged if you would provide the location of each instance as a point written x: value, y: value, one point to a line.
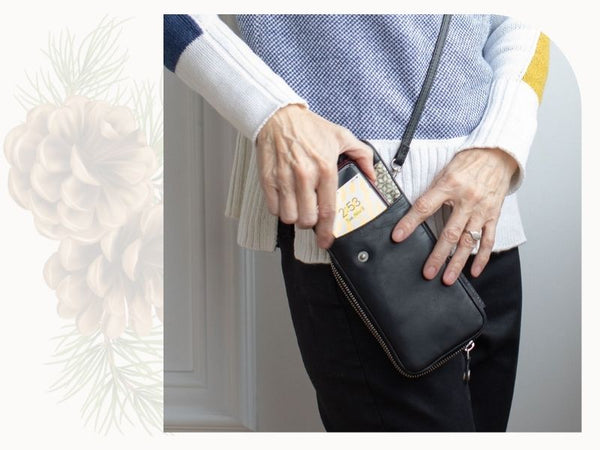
x: 297, y: 163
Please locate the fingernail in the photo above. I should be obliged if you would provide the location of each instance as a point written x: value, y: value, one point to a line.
x: 398, y: 234
x: 476, y: 271
x: 430, y: 272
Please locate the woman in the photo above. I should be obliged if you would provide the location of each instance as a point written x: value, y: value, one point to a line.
x: 301, y: 89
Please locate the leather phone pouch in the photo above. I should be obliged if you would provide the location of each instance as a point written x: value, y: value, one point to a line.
x: 419, y: 323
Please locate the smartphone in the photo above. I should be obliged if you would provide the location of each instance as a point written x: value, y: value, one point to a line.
x: 357, y: 200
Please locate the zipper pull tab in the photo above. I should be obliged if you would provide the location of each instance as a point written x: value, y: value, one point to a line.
x: 467, y: 349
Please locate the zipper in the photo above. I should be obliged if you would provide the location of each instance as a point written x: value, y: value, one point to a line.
x: 467, y: 374
x: 356, y: 305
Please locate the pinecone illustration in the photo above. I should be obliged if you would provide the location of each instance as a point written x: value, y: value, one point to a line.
x: 81, y: 168
x: 115, y: 282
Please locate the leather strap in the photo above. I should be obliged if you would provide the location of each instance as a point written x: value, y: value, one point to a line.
x: 409, y: 131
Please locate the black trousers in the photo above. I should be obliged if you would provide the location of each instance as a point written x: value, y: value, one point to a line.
x: 358, y: 389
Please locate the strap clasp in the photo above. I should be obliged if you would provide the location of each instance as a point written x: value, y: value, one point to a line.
x: 395, y: 167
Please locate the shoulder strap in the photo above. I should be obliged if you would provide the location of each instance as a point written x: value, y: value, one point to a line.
x: 402, y: 151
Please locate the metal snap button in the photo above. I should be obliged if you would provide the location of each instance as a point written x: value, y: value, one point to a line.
x: 363, y: 256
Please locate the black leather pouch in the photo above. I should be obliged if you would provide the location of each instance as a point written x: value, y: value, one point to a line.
x: 419, y: 323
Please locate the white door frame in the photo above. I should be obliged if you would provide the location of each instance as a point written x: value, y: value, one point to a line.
x: 210, y: 358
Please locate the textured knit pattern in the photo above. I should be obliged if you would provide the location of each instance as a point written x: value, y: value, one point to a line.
x: 365, y: 71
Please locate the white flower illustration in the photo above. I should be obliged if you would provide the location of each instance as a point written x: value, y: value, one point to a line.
x: 82, y: 168
x: 115, y: 282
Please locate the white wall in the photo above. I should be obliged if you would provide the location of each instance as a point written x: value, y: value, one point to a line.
x: 548, y: 389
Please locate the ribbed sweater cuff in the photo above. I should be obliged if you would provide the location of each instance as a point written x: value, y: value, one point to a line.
x: 232, y: 78
x: 509, y: 122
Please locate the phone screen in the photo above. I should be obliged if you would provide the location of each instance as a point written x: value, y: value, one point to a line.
x: 357, y: 200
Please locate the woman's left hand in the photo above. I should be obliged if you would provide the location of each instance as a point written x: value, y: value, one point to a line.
x: 474, y: 183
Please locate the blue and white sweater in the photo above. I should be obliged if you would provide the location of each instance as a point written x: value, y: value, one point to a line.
x: 364, y: 72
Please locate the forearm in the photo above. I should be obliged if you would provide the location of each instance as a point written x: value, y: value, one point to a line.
x: 213, y: 61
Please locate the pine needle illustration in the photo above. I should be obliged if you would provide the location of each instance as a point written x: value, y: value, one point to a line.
x: 122, y: 377
x: 116, y: 369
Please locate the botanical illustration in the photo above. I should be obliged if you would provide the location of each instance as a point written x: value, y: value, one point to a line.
x: 87, y: 163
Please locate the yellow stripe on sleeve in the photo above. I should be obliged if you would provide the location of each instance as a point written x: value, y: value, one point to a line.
x: 537, y: 72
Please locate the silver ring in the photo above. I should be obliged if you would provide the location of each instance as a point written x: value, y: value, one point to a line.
x: 395, y: 167
x: 475, y: 235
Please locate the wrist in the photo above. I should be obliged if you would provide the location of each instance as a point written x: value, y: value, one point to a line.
x: 505, y: 165
x: 507, y: 159
x: 280, y: 115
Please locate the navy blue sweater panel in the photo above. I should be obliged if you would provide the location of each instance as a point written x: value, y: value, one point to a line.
x: 365, y: 71
x: 178, y: 31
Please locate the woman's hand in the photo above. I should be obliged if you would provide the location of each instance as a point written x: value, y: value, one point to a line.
x: 474, y: 183
x: 297, y: 163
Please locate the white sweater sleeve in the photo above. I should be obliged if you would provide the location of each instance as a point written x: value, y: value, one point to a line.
x: 518, y: 56
x: 213, y: 61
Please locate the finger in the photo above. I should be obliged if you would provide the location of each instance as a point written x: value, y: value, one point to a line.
x: 464, y: 249
x: 268, y: 181
x: 326, y: 196
x: 306, y: 197
x: 424, y: 206
x: 271, y: 196
x: 448, y: 239
x: 288, y: 212
x: 361, y: 153
x: 485, y: 248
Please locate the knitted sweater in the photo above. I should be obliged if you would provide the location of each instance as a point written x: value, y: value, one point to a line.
x: 364, y: 72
